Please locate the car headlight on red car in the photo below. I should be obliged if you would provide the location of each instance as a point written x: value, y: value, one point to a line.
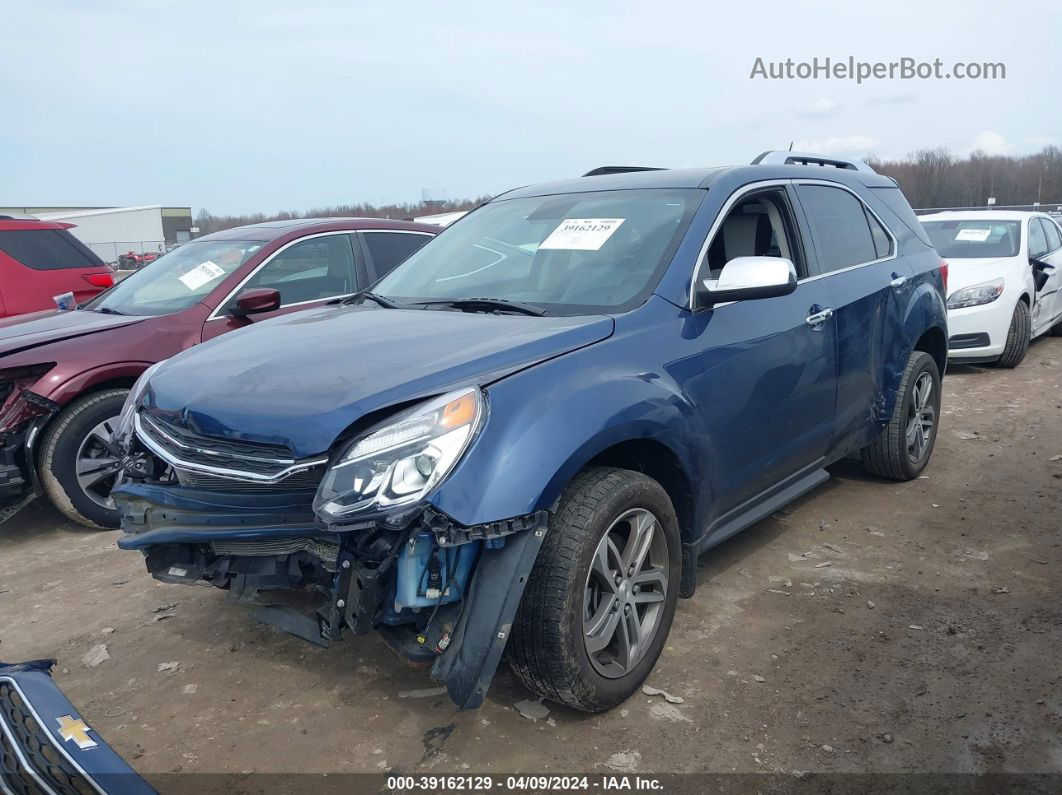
x: 976, y: 295
x: 399, y: 462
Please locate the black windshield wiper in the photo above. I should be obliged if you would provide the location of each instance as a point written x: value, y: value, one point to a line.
x: 500, y: 304
x: 357, y: 298
x: 106, y: 310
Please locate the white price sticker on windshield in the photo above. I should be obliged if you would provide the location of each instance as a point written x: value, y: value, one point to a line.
x: 582, y: 234
x: 973, y: 235
x: 201, y: 274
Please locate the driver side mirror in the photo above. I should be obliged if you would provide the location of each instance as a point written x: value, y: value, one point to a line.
x: 746, y: 278
x: 256, y: 300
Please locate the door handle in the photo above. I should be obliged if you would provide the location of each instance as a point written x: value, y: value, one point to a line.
x: 897, y: 281
x: 818, y: 318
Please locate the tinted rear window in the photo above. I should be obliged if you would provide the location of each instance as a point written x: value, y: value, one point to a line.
x: 390, y: 248
x: 894, y: 199
x: 47, y: 249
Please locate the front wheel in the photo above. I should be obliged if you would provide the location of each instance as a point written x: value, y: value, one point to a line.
x: 1019, y: 335
x: 79, y: 462
x: 902, y: 449
x: 601, y: 597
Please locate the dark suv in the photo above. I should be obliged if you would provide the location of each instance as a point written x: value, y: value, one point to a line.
x: 523, y: 437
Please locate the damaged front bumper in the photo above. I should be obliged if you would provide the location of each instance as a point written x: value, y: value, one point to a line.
x: 47, y: 747
x: 439, y: 592
x: 23, y: 414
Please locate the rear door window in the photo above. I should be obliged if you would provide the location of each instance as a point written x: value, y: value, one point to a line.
x: 47, y: 249
x: 840, y: 225
x: 388, y: 249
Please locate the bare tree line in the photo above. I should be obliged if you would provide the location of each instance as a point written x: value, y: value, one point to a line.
x: 935, y: 178
x: 207, y: 222
x: 929, y: 178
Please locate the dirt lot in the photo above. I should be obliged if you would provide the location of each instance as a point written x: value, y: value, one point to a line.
x: 873, y: 627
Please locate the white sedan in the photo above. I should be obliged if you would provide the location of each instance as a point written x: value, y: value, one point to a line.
x: 1004, y: 270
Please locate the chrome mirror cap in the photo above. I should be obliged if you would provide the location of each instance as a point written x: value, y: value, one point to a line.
x: 747, y: 278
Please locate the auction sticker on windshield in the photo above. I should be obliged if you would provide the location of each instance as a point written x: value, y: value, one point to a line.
x: 581, y: 234
x: 201, y: 274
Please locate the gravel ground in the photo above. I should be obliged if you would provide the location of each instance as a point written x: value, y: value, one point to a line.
x: 871, y: 627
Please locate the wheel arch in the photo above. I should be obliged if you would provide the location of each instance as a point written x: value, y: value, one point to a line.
x: 934, y: 341
x: 81, y: 386
x: 659, y: 462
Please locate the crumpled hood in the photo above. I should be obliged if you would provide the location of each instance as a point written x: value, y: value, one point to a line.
x: 301, y: 380
x: 39, y: 328
x: 968, y: 272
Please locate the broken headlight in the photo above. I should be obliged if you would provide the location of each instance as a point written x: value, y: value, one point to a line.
x: 124, y: 429
x: 399, y: 462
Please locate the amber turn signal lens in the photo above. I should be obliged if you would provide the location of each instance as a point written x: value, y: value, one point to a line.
x: 459, y: 412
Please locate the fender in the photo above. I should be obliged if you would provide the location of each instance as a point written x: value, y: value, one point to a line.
x: 69, y: 389
x: 584, y: 411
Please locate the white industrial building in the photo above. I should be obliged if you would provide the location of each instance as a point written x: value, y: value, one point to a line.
x: 114, y: 231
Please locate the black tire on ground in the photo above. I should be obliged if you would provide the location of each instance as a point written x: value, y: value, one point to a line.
x: 1056, y: 330
x: 890, y: 454
x: 546, y: 649
x: 59, y: 457
x: 1019, y: 335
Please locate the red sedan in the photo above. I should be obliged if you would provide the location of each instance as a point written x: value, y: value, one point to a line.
x: 64, y: 374
x: 40, y: 260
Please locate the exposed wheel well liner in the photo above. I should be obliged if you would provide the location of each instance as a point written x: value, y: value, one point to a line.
x: 935, y: 342
x: 661, y: 464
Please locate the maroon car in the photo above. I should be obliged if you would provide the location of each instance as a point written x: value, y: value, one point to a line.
x: 65, y: 375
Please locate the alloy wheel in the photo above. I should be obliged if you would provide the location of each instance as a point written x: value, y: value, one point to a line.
x: 921, y: 415
x: 98, y: 463
x: 626, y: 587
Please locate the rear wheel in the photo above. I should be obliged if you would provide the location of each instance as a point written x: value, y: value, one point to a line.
x: 600, y: 600
x: 1056, y: 330
x: 79, y: 462
x: 902, y: 449
x: 1019, y: 335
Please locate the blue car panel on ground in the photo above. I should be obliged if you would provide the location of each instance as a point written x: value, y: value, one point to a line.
x: 47, y: 747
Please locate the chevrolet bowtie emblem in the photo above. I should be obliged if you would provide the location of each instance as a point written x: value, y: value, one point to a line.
x: 76, y: 730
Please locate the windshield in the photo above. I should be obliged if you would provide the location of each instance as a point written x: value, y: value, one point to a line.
x: 176, y: 280
x: 980, y: 239
x: 569, y: 254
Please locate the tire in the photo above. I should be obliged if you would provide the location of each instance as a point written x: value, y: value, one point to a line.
x: 547, y: 649
x: 69, y: 439
x: 1056, y: 330
x: 1019, y: 335
x: 891, y: 455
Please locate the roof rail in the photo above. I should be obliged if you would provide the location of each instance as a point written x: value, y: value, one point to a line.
x: 602, y: 170
x: 781, y: 157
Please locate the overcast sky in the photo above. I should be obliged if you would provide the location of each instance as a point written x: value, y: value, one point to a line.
x: 268, y: 105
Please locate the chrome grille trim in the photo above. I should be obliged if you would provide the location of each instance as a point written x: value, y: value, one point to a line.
x: 306, y: 480
x: 144, y: 434
x: 156, y: 427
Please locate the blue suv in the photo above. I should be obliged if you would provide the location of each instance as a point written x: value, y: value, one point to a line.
x: 520, y: 440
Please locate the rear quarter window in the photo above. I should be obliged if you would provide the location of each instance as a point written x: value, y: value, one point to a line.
x: 894, y: 199
x: 47, y: 249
